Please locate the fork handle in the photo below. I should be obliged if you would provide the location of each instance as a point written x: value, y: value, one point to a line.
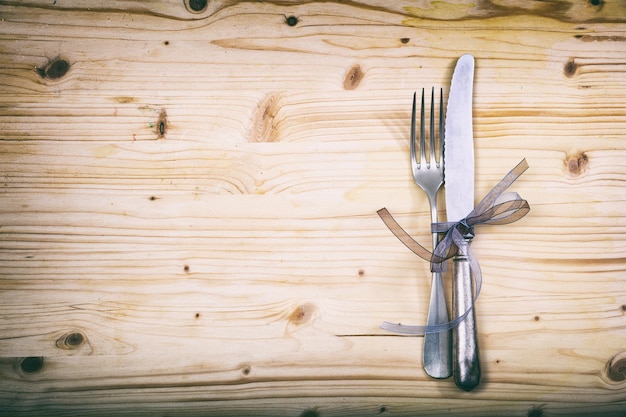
x: 466, y: 361
x: 437, y: 355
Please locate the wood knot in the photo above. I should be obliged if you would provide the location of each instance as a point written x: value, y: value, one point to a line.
x: 353, y: 78
x: 616, y: 367
x: 310, y: 412
x: 161, y: 126
x: 597, y: 3
x: 302, y: 314
x: 570, y: 68
x: 55, y: 69
x: 576, y: 164
x: 31, y: 364
x: 264, y: 127
x: 291, y: 20
x: 536, y: 411
x: 196, y: 6
x: 71, y: 340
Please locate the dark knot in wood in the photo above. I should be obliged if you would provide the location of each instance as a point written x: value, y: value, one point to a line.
x: 71, y: 340
x: 616, y: 368
x: 31, y: 364
x: 55, y: 69
x: 196, y: 6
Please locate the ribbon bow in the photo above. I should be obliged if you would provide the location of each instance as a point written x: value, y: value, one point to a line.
x: 497, y: 207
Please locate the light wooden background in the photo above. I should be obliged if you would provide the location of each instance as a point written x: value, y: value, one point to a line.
x: 188, y: 206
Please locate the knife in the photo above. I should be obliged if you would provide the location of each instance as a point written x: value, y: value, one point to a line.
x: 459, y: 184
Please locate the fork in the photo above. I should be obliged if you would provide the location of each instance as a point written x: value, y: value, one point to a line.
x: 437, y: 354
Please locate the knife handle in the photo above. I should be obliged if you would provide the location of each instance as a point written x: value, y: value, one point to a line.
x: 466, y: 362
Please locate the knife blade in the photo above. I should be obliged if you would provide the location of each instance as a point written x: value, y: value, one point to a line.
x: 459, y: 190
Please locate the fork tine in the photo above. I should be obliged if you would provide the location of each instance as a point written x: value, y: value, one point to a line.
x: 432, y: 161
x: 414, y: 165
x: 441, y: 127
x: 422, y: 133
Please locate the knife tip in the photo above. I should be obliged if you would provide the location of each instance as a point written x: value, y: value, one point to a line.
x: 466, y: 58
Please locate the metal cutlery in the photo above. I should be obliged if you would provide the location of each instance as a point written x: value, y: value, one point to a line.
x: 429, y: 176
x: 459, y: 178
x: 497, y: 207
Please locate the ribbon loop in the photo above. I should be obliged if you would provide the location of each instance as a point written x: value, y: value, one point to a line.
x: 496, y: 208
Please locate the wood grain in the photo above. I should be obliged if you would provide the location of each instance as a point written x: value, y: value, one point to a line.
x: 188, y: 206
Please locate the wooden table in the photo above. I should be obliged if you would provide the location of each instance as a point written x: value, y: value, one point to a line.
x: 189, y: 192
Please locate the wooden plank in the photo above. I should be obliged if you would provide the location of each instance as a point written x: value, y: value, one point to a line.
x: 188, y: 219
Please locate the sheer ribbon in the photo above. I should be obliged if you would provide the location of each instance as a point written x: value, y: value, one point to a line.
x: 497, y: 207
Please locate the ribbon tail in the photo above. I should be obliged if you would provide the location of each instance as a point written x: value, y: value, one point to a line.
x: 403, y: 236
x: 500, y: 187
x: 443, y: 327
x: 418, y: 330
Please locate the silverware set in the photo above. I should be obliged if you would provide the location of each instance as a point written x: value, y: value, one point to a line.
x: 451, y: 160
